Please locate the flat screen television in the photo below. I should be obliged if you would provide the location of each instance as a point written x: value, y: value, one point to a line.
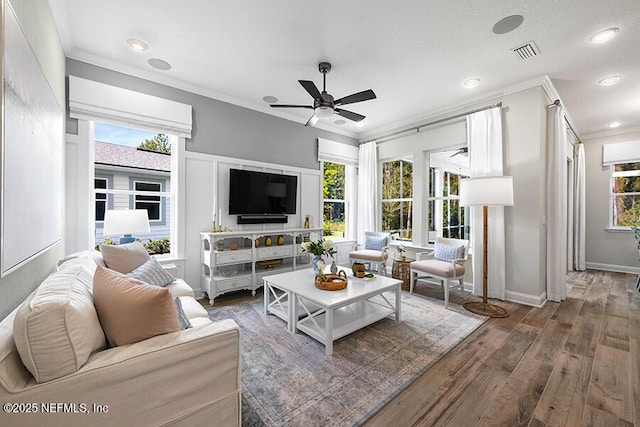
x: 261, y: 193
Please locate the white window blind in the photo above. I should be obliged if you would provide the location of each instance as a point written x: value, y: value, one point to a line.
x: 621, y: 152
x: 89, y: 100
x: 337, y: 152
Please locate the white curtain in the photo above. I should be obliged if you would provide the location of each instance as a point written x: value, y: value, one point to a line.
x: 556, y: 204
x: 579, y: 211
x: 367, y: 189
x: 484, y: 136
x: 350, y: 200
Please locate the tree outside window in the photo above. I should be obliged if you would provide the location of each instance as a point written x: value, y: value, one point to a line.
x: 397, y: 197
x: 333, y: 200
x: 625, y: 194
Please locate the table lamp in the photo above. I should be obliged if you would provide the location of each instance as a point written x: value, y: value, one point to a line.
x: 125, y: 222
x: 486, y: 191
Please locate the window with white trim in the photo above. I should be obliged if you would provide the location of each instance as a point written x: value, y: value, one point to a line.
x: 446, y: 218
x: 333, y: 200
x: 624, y: 195
x: 139, y: 164
x: 397, y: 198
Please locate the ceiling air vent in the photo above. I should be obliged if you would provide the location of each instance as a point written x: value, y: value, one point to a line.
x: 527, y: 50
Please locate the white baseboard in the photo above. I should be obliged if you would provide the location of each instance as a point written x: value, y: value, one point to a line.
x: 613, y: 267
x: 517, y: 297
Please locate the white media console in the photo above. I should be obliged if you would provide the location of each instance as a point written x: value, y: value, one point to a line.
x: 238, y: 260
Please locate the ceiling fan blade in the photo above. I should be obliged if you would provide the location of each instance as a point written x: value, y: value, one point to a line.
x: 290, y: 106
x: 311, y: 88
x: 349, y: 114
x: 365, y: 95
x: 312, y: 121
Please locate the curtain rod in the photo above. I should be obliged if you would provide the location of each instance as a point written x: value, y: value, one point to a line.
x: 392, y: 136
x: 557, y: 104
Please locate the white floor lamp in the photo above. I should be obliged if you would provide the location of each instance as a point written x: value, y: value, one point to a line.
x: 486, y: 191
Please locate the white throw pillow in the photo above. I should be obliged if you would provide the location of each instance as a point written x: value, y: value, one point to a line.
x: 56, y: 328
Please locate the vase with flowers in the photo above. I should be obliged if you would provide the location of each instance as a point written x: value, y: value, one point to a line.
x: 318, y: 246
x: 401, y: 250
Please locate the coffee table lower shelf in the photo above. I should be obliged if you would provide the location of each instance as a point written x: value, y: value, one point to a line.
x: 346, y: 320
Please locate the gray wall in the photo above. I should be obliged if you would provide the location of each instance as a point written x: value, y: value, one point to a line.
x: 605, y: 249
x: 37, y: 22
x: 225, y: 129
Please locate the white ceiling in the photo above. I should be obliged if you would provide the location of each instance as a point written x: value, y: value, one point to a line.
x: 413, y: 53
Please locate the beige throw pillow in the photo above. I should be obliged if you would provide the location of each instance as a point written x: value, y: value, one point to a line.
x: 130, y: 310
x: 124, y: 258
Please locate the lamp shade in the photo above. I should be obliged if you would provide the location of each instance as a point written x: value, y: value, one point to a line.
x: 126, y: 221
x: 487, y: 191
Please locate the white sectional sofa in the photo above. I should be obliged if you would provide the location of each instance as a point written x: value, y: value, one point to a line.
x: 184, y: 378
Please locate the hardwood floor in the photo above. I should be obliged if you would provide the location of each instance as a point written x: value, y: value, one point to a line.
x: 575, y: 363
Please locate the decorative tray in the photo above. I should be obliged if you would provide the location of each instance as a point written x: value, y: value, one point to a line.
x: 331, y: 282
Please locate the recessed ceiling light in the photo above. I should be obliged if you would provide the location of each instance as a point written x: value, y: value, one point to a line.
x: 614, y: 125
x: 604, y: 35
x: 470, y: 83
x: 340, y: 122
x: 159, y: 64
x: 611, y: 80
x: 270, y: 99
x: 137, y: 45
x: 508, y: 24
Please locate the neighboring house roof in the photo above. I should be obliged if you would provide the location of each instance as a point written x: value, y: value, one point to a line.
x: 131, y: 157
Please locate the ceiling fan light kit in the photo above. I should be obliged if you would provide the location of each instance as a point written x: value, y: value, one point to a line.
x: 324, y: 105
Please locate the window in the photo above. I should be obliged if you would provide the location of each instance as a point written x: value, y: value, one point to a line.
x: 397, y: 197
x: 446, y: 216
x: 101, y: 198
x: 133, y: 171
x: 333, y: 195
x: 625, y: 195
x: 152, y: 204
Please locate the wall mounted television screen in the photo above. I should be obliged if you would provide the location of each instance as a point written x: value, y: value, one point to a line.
x: 261, y: 193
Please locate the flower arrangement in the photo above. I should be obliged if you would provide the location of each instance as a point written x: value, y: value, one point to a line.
x: 401, y: 250
x: 318, y: 246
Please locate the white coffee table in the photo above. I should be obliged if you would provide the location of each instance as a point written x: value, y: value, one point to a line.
x: 329, y: 315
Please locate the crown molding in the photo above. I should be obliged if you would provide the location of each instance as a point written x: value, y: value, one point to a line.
x: 611, y: 132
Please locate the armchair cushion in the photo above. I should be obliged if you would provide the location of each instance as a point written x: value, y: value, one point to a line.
x: 375, y: 243
x: 448, y: 251
x: 438, y: 268
x: 368, y: 255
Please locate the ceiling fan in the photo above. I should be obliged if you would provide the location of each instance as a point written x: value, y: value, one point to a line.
x: 464, y: 151
x: 324, y: 106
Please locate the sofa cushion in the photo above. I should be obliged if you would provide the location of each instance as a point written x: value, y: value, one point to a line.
x: 130, y: 310
x: 179, y: 288
x: 124, y: 258
x: 182, y: 317
x: 56, y: 328
x: 151, y: 272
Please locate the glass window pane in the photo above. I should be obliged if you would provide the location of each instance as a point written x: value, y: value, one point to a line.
x: 626, y: 184
x: 100, y: 183
x: 153, y: 209
x: 407, y: 212
x: 627, y: 167
x: 333, y: 219
x: 390, y: 216
x: 407, y: 180
x: 391, y: 180
x: 626, y: 211
x: 147, y: 198
x: 101, y: 206
x: 333, y: 181
x: 147, y: 186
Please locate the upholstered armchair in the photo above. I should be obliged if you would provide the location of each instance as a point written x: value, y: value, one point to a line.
x: 445, y: 263
x: 374, y: 250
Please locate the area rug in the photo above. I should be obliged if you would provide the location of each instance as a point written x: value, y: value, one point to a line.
x: 287, y: 380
